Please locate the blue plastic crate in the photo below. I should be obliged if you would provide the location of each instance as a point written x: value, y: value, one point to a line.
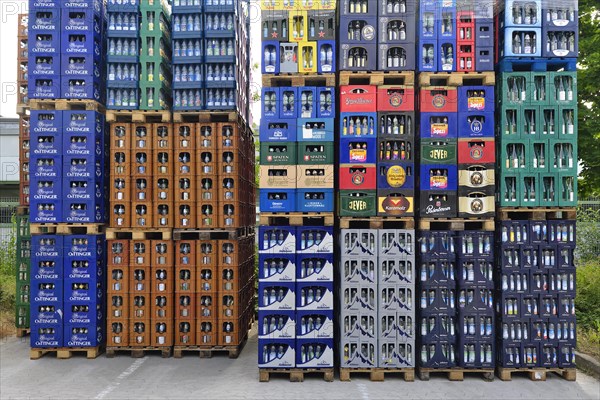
x: 484, y: 58
x: 358, y: 150
x: 289, y: 104
x: 314, y: 267
x: 84, y: 65
x: 314, y: 239
x: 484, y: 32
x: 275, y: 200
x: 84, y: 211
x: 84, y: 335
x: 41, y: 65
x: 518, y: 42
x: 358, y: 125
x: 276, y: 353
x: 46, y: 290
x: 314, y: 324
x: 117, y: 21
x: 439, y: 177
x: 277, y: 130
x: 81, y: 43
x: 45, y: 211
x: 83, y: 313
x: 84, y: 19
x: 438, y: 354
x: 314, y: 296
x: 447, y: 55
x: 326, y: 98
x: 395, y: 175
x: 476, y: 99
x: 46, y: 312
x: 274, y: 296
x: 471, y: 125
x: 81, y: 166
x: 83, y: 290
x: 314, y: 353
x: 326, y: 53
x: 43, y: 4
x: 46, y: 335
x: 271, y: 102
x: 44, y: 167
x: 44, y: 19
x: 560, y: 42
x: 276, y: 324
x: 44, y: 87
x: 270, y: 57
x: 277, y: 239
x: 446, y: 24
x: 42, y: 190
x: 80, y: 87
x: 428, y: 15
x: 277, y: 267
x: 439, y: 125
x: 41, y: 42
x: 45, y: 143
x: 427, y: 56
x: 357, y: 56
x: 314, y: 200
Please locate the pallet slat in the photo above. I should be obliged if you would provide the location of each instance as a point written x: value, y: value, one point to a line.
x: 208, y: 116
x: 212, y: 234
x: 457, y: 224
x: 298, y: 80
x: 532, y: 213
x: 64, y: 104
x: 457, y: 374
x: 67, y: 229
x: 377, y: 78
x: 295, y: 374
x: 296, y: 219
x: 457, y: 78
x: 378, y: 374
x: 138, y: 116
x: 376, y: 223
x: 138, y: 352
x: 65, y: 352
x: 537, y: 374
x: 139, y: 234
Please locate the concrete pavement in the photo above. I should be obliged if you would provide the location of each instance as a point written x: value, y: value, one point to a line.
x: 222, y: 378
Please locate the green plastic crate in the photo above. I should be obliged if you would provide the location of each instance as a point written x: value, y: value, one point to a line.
x: 357, y: 203
x: 24, y: 247
x: 567, y: 122
x: 22, y: 315
x: 563, y: 156
x: 22, y: 292
x: 23, y: 270
x: 514, y: 156
x: 538, y: 91
x: 563, y: 88
x: 539, y: 154
x: 156, y: 46
x: 434, y: 151
x: 549, y: 193
x: 513, y: 88
x: 531, y: 122
x: 153, y: 98
x: 278, y: 153
x: 508, y: 193
x: 23, y: 226
x: 309, y: 153
x: 510, y: 124
x: 549, y: 122
x: 567, y: 190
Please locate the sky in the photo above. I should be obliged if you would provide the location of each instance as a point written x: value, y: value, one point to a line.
x: 9, y: 10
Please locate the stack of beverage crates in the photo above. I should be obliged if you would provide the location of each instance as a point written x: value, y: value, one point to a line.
x: 66, y: 50
x: 23, y: 235
x: 295, y: 297
x: 67, y: 155
x: 377, y: 311
x: 536, y: 293
x: 210, y: 55
x: 298, y: 37
x: 377, y: 156
x: 377, y: 35
x: 457, y: 151
x: 455, y: 35
x: 537, y: 173
x: 139, y: 55
x: 214, y: 291
x: 456, y: 299
x: 297, y: 149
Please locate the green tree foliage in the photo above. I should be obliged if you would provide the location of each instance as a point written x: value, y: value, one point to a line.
x: 589, y: 96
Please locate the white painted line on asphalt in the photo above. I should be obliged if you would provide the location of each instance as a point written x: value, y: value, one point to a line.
x: 362, y: 388
x: 132, y: 368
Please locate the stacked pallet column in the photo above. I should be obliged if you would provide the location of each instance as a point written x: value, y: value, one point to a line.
x: 537, y: 192
x: 296, y: 272
x: 456, y: 189
x: 23, y: 252
x: 68, y: 199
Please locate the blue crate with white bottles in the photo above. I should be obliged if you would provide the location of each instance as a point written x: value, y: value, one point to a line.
x: 220, y: 99
x: 188, y: 26
x: 188, y: 76
x: 186, y: 51
x: 520, y: 13
x: 123, y: 24
x: 188, y: 99
x: 220, y: 75
x: 219, y: 25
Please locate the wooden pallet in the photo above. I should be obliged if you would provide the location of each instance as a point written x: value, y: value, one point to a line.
x: 537, y: 374
x: 139, y: 234
x: 233, y: 351
x: 457, y: 78
x: 22, y: 332
x: 377, y: 223
x: 457, y: 224
x: 298, y: 80
x: 67, y: 229
x: 377, y: 78
x: 212, y: 234
x: 138, y: 116
x: 296, y: 374
x: 138, y: 352
x: 296, y: 219
x: 22, y: 108
x: 377, y: 374
x: 65, y: 352
x: 64, y: 104
x: 457, y: 374
x: 208, y: 116
x: 535, y: 213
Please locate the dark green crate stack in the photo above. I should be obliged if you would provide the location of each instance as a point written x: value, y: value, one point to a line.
x: 155, y: 57
x: 537, y: 139
x: 23, y: 256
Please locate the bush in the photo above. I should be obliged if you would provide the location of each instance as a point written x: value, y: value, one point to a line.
x: 588, y: 234
x: 8, y: 268
x: 587, y: 303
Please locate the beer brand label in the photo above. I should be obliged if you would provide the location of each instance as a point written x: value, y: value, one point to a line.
x: 358, y: 178
x: 476, y: 126
x: 358, y: 155
x: 438, y: 182
x: 476, y: 152
x: 357, y: 205
x: 396, y: 176
x: 438, y: 101
x: 439, y: 130
x: 476, y: 103
x: 396, y: 100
